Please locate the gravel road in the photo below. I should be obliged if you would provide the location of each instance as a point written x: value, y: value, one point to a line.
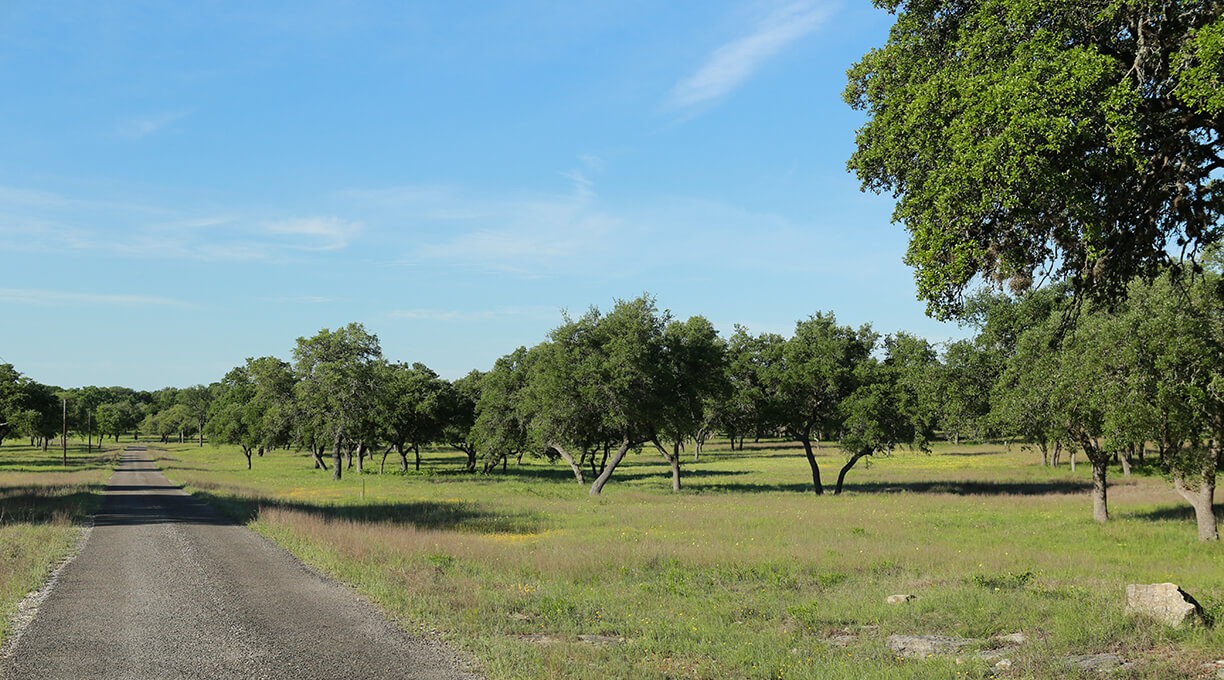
x: 166, y: 587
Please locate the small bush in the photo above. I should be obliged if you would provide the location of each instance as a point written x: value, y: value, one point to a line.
x: 830, y: 580
x: 1004, y: 581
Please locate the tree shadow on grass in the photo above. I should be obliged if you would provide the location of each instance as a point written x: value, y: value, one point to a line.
x: 1180, y: 513
x: 47, y: 504
x: 560, y: 473
x: 432, y: 515
x: 956, y: 488
x: 76, y: 463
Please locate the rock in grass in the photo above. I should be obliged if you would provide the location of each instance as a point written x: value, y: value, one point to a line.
x: 602, y: 639
x: 1101, y: 663
x: 922, y: 646
x: 1164, y: 602
x: 540, y: 638
x: 1012, y: 638
x: 840, y: 640
x: 899, y: 599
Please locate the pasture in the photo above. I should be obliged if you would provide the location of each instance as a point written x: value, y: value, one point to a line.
x: 745, y: 573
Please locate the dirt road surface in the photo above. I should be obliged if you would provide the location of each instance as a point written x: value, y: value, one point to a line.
x: 166, y: 587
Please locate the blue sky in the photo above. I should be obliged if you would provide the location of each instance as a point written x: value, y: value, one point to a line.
x: 184, y: 185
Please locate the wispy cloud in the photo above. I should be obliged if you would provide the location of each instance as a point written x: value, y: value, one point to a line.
x: 137, y: 127
x: 728, y: 66
x: 46, y: 298
x: 322, y: 233
x: 304, y: 299
x: 532, y: 236
x: 35, y: 220
x: 422, y: 201
x: 468, y: 315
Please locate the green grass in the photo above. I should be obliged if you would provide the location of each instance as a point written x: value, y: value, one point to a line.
x: 43, y: 505
x: 744, y: 574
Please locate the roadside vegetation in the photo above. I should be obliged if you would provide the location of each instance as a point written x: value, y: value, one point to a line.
x: 43, y: 507
x: 745, y: 574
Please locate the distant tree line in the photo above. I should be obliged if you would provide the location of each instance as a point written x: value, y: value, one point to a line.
x: 32, y: 410
x: 1043, y: 370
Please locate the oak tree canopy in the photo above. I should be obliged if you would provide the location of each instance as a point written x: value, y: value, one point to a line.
x: 1033, y: 139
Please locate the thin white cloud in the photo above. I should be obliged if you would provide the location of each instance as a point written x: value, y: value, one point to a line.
x: 537, y: 239
x: 465, y: 315
x: 36, y: 220
x: 533, y: 237
x: 304, y: 299
x: 424, y: 201
x: 199, y: 222
x: 322, y: 233
x: 45, y: 298
x: 728, y: 66
x: 138, y: 127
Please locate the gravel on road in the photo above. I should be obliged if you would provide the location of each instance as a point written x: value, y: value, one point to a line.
x: 166, y: 587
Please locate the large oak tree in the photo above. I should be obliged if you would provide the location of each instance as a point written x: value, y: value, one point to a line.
x: 1071, y: 138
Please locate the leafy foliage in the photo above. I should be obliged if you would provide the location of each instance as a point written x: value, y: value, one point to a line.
x: 1079, y: 140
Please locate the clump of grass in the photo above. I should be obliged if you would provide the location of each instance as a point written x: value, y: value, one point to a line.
x: 830, y: 580
x: 1002, y: 581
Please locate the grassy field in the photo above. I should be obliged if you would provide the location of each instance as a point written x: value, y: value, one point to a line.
x: 744, y: 574
x: 43, y: 505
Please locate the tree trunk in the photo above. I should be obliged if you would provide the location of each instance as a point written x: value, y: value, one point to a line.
x: 841, y: 476
x: 610, y: 467
x: 675, y: 467
x: 1124, y: 457
x: 247, y: 450
x: 471, y: 461
x: 399, y: 448
x: 955, y: 438
x: 201, y: 432
x: 807, y: 450
x: 382, y: 465
x: 1202, y: 499
x: 1100, y: 500
x: 337, y: 463
x: 673, y: 459
x: 416, y: 450
x: 1073, y: 460
x: 1057, y: 453
x: 569, y: 459
x: 361, y: 454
